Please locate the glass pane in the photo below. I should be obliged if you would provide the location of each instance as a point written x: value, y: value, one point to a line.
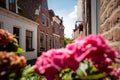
x: 45, y: 6
x: 43, y: 19
x: 28, y: 40
x: 16, y: 31
x: 12, y: 5
x: 3, y: 3
x: 0, y: 26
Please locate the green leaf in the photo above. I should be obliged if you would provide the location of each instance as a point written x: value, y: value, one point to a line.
x: 81, y: 71
x: 14, y: 47
x: 19, y: 50
x: 28, y: 69
x: 66, y: 74
x: 93, y: 77
x: 93, y: 69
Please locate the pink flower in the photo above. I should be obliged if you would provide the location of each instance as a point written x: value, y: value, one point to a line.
x: 42, y: 64
x: 93, y: 48
x: 96, y: 49
x: 116, y: 72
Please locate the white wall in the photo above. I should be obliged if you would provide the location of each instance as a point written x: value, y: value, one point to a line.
x: 11, y: 20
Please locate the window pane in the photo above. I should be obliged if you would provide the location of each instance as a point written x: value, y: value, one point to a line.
x: 45, y: 6
x: 42, y: 40
x: 16, y: 32
x: 48, y: 23
x: 3, y: 3
x: 43, y: 19
x: 12, y: 5
x: 0, y: 25
x: 28, y: 40
x: 46, y: 42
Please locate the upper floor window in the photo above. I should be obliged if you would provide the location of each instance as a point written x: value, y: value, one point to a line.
x: 29, y: 36
x: 16, y: 32
x: 12, y: 5
x: 3, y: 3
x: 45, y: 6
x: 48, y: 22
x: 43, y: 19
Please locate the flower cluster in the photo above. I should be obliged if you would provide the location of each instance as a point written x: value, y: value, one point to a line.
x: 9, y: 43
x: 9, y: 63
x: 91, y: 48
x: 97, y: 50
x: 6, y: 38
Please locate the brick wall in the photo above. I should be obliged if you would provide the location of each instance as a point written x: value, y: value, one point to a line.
x: 28, y: 8
x: 110, y: 21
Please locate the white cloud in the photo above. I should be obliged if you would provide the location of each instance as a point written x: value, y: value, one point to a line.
x: 69, y: 19
x: 73, y: 14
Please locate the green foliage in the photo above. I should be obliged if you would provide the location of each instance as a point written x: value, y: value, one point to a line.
x: 12, y: 47
x: 87, y: 71
x: 27, y: 73
x: 67, y: 41
x: 66, y: 74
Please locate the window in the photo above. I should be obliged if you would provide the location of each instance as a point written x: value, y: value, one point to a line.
x: 43, y: 19
x: 1, y: 25
x: 12, y: 5
x: 46, y: 42
x: 29, y: 36
x: 42, y: 41
x: 3, y: 3
x: 16, y: 32
x: 45, y: 6
x: 48, y: 22
x: 50, y: 44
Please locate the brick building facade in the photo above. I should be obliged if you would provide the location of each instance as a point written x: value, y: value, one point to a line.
x: 110, y: 21
x: 33, y: 16
x: 50, y: 32
x: 103, y: 17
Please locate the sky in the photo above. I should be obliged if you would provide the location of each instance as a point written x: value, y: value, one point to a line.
x: 68, y: 10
